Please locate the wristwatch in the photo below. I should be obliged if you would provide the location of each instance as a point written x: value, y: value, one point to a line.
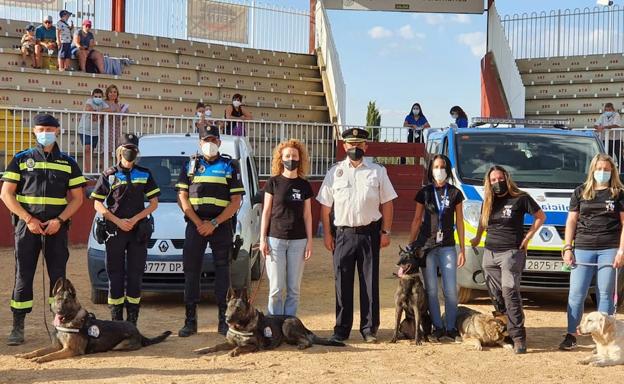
x: 384, y: 232
x: 214, y: 223
x: 61, y: 221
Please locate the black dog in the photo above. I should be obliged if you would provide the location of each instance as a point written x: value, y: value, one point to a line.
x: 250, y: 330
x: 410, y: 297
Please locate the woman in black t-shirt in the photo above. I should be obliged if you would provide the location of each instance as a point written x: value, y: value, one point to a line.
x: 440, y: 203
x: 286, y: 228
x: 504, y: 256
x: 595, y: 223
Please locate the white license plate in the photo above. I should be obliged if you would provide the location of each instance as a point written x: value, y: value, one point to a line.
x: 544, y: 265
x: 164, y: 267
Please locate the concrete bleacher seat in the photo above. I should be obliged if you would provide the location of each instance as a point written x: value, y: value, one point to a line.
x: 574, y: 88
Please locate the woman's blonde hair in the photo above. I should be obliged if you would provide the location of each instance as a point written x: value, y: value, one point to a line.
x: 304, y: 161
x: 615, y: 184
x: 109, y: 89
x: 488, y: 193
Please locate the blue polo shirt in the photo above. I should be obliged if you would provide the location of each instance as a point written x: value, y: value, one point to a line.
x: 422, y: 120
x: 41, y: 33
x: 461, y: 122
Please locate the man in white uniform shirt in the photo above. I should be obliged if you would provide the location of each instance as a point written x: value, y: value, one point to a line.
x: 356, y: 188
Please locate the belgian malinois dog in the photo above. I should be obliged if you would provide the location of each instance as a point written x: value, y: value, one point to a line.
x: 250, y: 330
x: 480, y: 329
x: 77, y: 332
x: 410, y: 298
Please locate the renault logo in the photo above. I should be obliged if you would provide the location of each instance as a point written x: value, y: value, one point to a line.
x: 163, y: 246
x: 545, y: 234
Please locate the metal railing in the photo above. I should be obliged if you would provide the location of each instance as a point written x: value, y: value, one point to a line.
x: 505, y: 64
x: 599, y: 30
x: 35, y: 11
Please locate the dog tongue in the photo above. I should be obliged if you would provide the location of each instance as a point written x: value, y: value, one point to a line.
x: 57, y: 320
x: 400, y: 273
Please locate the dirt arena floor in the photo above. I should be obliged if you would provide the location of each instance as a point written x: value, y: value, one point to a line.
x: 173, y: 361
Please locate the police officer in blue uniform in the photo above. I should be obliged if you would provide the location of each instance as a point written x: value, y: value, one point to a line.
x: 36, y: 184
x: 209, y: 192
x: 124, y: 189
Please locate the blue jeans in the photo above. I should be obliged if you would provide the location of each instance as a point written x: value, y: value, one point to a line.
x: 284, y: 266
x: 580, y: 279
x: 446, y: 259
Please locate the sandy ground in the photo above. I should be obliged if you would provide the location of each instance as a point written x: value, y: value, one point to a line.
x: 173, y: 362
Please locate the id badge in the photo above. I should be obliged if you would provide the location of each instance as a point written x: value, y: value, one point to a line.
x: 439, y: 237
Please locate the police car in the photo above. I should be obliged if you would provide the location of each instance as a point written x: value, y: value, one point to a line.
x: 547, y: 163
x: 165, y: 156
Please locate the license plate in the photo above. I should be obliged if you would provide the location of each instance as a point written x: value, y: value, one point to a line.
x: 544, y: 265
x: 164, y: 267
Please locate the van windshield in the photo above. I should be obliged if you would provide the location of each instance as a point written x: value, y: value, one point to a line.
x: 534, y: 160
x: 165, y: 171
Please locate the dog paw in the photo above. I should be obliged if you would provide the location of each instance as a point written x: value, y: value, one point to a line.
x: 37, y: 360
x: 478, y: 348
x: 234, y: 353
x: 393, y: 340
x: 417, y: 342
x: 508, y: 347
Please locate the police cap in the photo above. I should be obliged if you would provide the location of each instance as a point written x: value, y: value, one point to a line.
x: 208, y: 131
x: 129, y: 139
x: 45, y: 120
x: 354, y: 135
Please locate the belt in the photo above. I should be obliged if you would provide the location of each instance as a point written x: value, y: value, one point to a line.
x: 362, y: 229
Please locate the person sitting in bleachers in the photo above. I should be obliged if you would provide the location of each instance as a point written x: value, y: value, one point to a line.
x: 28, y: 46
x: 236, y: 111
x: 460, y: 119
x: 90, y: 59
x: 203, y: 113
x: 609, y: 119
x: 45, y: 39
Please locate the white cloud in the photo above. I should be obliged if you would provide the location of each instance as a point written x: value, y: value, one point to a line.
x: 379, y: 32
x: 461, y: 18
x: 434, y: 18
x: 441, y: 19
x: 475, y: 41
x: 406, y: 32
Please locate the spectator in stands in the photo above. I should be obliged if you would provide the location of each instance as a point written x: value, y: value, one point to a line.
x: 114, y: 122
x: 90, y: 126
x: 416, y: 121
x: 64, y: 39
x: 45, y: 39
x: 203, y: 113
x: 236, y: 111
x: 28, y: 46
x: 609, y: 119
x: 459, y: 116
x: 87, y: 56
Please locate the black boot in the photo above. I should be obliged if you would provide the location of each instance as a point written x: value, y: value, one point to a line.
x: 190, y: 324
x: 116, y: 312
x: 132, y: 313
x: 223, y: 327
x: 17, y: 333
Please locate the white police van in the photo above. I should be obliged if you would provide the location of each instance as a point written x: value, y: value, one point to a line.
x: 547, y: 163
x: 165, y: 156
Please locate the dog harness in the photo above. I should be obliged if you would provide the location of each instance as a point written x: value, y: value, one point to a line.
x: 88, y: 328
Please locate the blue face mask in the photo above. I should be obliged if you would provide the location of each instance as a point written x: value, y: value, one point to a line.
x: 98, y: 101
x: 609, y: 113
x: 602, y: 177
x: 46, y: 138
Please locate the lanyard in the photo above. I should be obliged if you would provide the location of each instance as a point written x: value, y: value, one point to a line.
x: 440, y: 204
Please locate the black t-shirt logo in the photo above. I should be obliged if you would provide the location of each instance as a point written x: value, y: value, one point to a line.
x: 296, y: 195
x: 610, y: 205
x: 507, y: 211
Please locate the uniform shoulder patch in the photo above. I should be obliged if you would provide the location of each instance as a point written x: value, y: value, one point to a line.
x: 110, y: 171
x: 23, y: 153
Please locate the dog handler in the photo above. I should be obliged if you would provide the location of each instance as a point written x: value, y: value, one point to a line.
x: 356, y: 187
x: 502, y: 214
x: 595, y: 223
x: 440, y: 203
x: 36, y: 184
x: 209, y: 192
x: 124, y: 188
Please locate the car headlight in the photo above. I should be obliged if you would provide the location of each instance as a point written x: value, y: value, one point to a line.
x: 472, y: 212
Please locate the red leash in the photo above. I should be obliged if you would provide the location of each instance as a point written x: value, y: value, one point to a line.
x: 255, y: 291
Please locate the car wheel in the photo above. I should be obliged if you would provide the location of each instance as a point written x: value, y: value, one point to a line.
x: 256, y: 270
x: 464, y: 295
x: 99, y: 296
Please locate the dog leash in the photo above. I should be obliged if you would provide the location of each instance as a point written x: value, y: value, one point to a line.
x: 567, y: 268
x: 43, y: 286
x: 255, y: 292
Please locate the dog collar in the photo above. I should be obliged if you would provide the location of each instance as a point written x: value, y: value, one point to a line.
x: 239, y: 333
x: 68, y: 330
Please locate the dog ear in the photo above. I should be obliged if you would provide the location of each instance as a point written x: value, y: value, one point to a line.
x: 70, y: 287
x: 244, y: 294
x: 607, y: 323
x: 230, y: 293
x: 58, y: 285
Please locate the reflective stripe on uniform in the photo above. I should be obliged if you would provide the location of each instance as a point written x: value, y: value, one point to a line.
x: 209, y: 200
x: 112, y: 301
x: 96, y: 196
x: 234, y: 190
x: 41, y: 200
x: 12, y: 176
x: 210, y: 179
x: 21, y: 304
x: 155, y: 191
x: 133, y: 300
x: 182, y: 186
x: 46, y: 165
x: 77, y: 180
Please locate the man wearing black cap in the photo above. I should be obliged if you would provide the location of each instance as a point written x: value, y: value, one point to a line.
x: 36, y: 184
x: 124, y: 188
x: 209, y: 191
x: 356, y: 188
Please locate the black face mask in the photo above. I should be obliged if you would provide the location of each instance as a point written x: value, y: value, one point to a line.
x: 355, y: 154
x: 291, y: 165
x: 129, y: 154
x: 499, y: 188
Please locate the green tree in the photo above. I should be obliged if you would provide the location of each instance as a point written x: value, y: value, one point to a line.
x: 373, y: 119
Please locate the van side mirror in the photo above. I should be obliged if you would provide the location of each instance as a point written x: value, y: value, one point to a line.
x: 258, y: 198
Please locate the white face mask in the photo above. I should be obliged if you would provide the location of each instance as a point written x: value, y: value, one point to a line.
x: 210, y: 149
x: 416, y: 111
x: 236, y: 103
x: 454, y: 116
x: 208, y: 113
x: 602, y: 177
x: 439, y: 175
